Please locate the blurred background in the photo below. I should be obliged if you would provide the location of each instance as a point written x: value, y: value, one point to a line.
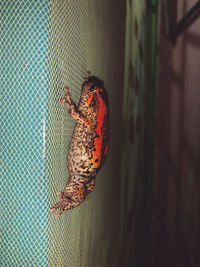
x: 145, y: 210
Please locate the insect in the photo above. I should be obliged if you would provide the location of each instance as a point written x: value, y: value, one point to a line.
x: 89, y: 145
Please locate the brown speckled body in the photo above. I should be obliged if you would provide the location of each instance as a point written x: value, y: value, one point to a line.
x: 89, y: 144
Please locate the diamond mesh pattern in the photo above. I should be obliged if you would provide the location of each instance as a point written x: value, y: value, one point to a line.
x: 23, y: 86
x: 46, y: 45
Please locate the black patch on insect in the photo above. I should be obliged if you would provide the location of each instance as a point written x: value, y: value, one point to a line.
x: 98, y: 83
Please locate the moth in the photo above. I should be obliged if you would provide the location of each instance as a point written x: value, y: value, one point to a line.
x: 89, y: 144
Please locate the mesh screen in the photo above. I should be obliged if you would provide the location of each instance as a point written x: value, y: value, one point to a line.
x: 46, y: 45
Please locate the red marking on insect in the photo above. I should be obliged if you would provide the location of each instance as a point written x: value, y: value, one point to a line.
x: 98, y: 141
x: 90, y: 98
x: 92, y: 183
x: 81, y: 193
x: 106, y: 149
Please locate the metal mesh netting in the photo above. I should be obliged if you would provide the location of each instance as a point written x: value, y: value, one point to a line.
x: 24, y: 89
x: 46, y: 45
